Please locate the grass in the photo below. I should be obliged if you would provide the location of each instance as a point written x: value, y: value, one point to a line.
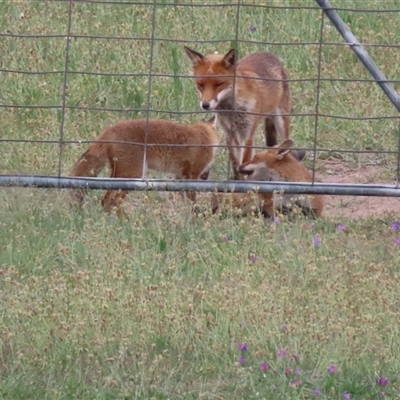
x: 155, y: 307
x: 99, y: 308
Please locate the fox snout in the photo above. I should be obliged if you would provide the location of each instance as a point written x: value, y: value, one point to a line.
x: 210, y: 101
x: 209, y: 105
x: 205, y: 105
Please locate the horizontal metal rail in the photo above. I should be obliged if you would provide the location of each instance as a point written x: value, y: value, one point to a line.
x: 199, y: 185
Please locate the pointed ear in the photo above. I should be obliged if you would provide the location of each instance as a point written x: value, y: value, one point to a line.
x: 212, y: 120
x: 284, y: 149
x: 287, y: 144
x: 230, y: 58
x: 194, y: 56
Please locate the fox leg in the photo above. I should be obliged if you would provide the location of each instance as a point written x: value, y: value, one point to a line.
x: 191, y: 195
x: 267, y: 204
x: 114, y: 198
x: 248, y: 153
x: 276, y: 124
x: 282, y: 124
x: 271, y: 138
x: 205, y: 174
x: 242, y: 151
x: 235, y: 150
x: 188, y: 173
x: 195, y: 172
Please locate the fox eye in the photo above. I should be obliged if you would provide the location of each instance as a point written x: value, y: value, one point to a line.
x: 217, y: 84
x: 200, y: 85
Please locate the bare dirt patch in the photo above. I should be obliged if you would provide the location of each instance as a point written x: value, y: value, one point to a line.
x: 328, y: 171
x: 355, y: 207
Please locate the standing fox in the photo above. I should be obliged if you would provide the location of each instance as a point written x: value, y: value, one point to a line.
x: 242, y: 93
x: 186, y: 151
x: 275, y: 164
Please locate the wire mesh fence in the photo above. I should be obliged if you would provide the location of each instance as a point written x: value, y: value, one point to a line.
x: 72, y: 67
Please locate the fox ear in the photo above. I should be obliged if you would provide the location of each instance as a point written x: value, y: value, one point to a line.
x: 287, y: 144
x: 284, y: 149
x: 212, y: 120
x: 230, y: 58
x: 194, y: 56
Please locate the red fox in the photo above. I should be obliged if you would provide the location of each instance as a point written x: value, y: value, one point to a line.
x: 275, y: 164
x: 242, y: 93
x: 185, y: 151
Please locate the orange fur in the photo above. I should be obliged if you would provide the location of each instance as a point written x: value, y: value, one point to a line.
x: 234, y: 90
x: 275, y: 164
x: 125, y: 160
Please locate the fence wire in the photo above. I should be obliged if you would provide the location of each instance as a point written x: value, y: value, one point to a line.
x: 322, y: 6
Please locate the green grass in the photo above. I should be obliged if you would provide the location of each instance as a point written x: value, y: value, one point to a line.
x: 154, y: 308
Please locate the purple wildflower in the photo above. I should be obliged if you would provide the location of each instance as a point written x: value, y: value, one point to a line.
x: 264, y: 366
x: 297, y: 371
x: 288, y: 371
x: 227, y: 239
x: 251, y: 28
x: 242, y: 346
x: 253, y: 258
x: 397, y: 240
x: 316, y: 240
x: 382, y: 381
x: 341, y: 227
x: 284, y: 328
x: 242, y: 360
x: 282, y: 353
x: 295, y: 357
x: 332, y: 368
x: 396, y: 225
x: 317, y: 392
x: 297, y: 382
x: 346, y: 395
x: 277, y: 220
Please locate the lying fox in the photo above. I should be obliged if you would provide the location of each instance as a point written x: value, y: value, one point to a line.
x: 242, y: 93
x: 274, y: 164
x: 164, y: 153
